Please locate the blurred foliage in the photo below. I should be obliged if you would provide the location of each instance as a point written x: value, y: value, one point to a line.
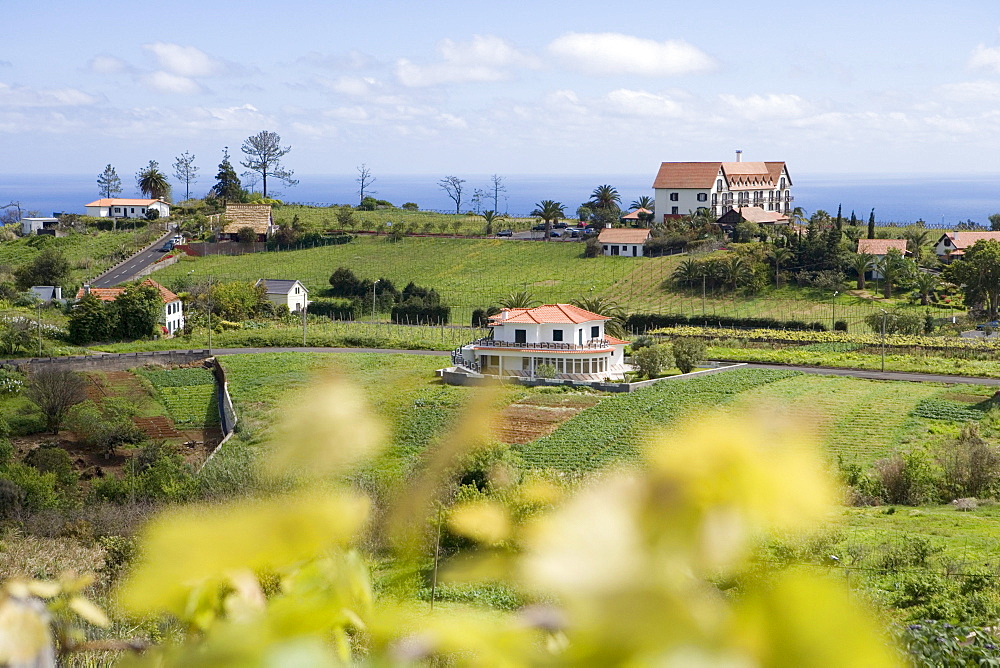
x: 624, y: 569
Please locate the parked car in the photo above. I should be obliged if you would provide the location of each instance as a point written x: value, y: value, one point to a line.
x: 992, y: 324
x: 177, y: 240
x: 540, y: 227
x: 555, y: 233
x: 169, y: 246
x: 574, y: 234
x: 561, y: 225
x: 505, y: 233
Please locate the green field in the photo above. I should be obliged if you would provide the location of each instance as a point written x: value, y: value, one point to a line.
x: 189, y: 395
x: 472, y: 273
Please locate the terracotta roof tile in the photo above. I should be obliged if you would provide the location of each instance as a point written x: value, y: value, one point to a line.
x: 962, y: 240
x: 112, y: 201
x: 687, y: 175
x: 615, y: 342
x: 756, y: 214
x: 881, y: 246
x: 634, y: 215
x: 555, y: 314
x: 623, y: 235
x: 111, y: 294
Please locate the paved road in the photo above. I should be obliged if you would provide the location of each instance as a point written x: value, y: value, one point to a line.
x: 128, y: 269
x: 882, y: 375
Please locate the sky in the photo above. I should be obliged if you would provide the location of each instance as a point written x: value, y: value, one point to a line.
x: 854, y: 87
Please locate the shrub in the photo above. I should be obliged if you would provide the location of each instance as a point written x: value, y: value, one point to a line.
x: 246, y: 235
x: 687, y: 353
x: 592, y: 248
x: 642, y: 341
x: 336, y: 309
x: 50, y: 458
x: 910, y: 478
x: 652, y: 360
x: 840, y: 326
x: 646, y: 321
x: 970, y: 465
x: 411, y: 206
x: 545, y: 371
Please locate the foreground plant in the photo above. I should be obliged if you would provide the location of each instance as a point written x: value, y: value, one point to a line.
x: 628, y: 565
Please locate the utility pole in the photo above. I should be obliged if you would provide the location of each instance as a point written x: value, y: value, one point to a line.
x: 39, y: 320
x: 373, y: 297
x: 304, y: 306
x: 833, y: 317
x: 884, y: 315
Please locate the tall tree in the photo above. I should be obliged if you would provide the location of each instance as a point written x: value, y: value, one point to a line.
x: 497, y: 186
x: 608, y: 308
x: 995, y: 222
x: 186, y: 172
x: 55, y: 391
x: 926, y: 283
x: 840, y: 218
x: 605, y: 197
x: 152, y: 182
x: 862, y: 263
x: 916, y: 239
x: 979, y: 272
x: 871, y: 225
x: 644, y: 202
x: 264, y: 153
x: 365, y: 181
x: 227, y: 183
x: 780, y: 256
x: 109, y: 183
x: 894, y: 269
x: 452, y: 186
x: 550, y: 212
x: 136, y: 312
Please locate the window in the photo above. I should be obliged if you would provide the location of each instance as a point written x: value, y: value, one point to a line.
x: 595, y: 331
x: 702, y: 197
x: 296, y: 291
x: 715, y: 199
x: 674, y: 197
x: 520, y: 336
x: 118, y: 210
x: 674, y: 210
x: 782, y: 186
x: 718, y: 185
x: 557, y: 335
x: 133, y: 210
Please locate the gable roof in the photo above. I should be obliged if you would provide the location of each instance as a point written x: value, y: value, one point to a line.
x: 634, y: 215
x: 273, y: 286
x: 255, y: 216
x: 962, y: 240
x: 111, y: 294
x: 553, y: 314
x: 687, y: 175
x: 113, y: 201
x: 756, y: 214
x: 881, y: 246
x: 623, y: 235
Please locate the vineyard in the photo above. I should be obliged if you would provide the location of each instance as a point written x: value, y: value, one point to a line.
x: 613, y: 430
x: 188, y: 394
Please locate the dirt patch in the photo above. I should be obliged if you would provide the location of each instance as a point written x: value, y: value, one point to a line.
x: 124, y: 384
x: 536, y: 416
x: 550, y: 281
x: 965, y: 398
x: 157, y: 428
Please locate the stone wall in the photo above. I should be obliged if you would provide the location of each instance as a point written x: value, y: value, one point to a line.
x: 110, y: 361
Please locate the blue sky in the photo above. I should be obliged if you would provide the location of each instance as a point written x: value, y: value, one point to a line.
x: 481, y: 87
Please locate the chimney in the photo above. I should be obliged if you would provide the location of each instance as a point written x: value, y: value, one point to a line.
x: 739, y: 155
x: 86, y: 288
x: 58, y: 292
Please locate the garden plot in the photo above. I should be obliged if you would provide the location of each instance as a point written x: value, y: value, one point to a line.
x: 535, y: 416
x: 188, y: 394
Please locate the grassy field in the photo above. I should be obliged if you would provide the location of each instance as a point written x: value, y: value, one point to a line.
x: 472, y: 273
x: 413, y: 222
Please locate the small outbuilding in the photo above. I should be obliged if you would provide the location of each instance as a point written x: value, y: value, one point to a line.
x: 38, y: 225
x: 285, y: 293
x: 255, y: 216
x: 879, y: 248
x: 625, y: 241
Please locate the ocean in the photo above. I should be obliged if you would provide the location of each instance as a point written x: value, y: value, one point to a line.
x: 938, y: 200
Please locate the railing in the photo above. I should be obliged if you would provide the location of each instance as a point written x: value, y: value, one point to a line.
x: 592, y: 344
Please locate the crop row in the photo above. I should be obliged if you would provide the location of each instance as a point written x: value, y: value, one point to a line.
x: 943, y: 409
x: 178, y: 377
x: 193, y: 406
x: 892, y: 340
x: 613, y: 430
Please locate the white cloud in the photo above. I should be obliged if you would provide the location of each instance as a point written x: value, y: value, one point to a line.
x: 643, y: 104
x: 185, y: 61
x: 484, y: 58
x: 985, y: 57
x: 166, y: 82
x: 616, y: 54
x: 23, y: 96
x: 971, y: 92
x: 105, y: 64
x: 763, y: 107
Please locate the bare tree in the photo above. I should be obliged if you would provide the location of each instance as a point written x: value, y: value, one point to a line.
x: 452, y: 185
x: 497, y: 186
x: 55, y: 391
x: 11, y: 217
x: 251, y: 179
x: 186, y: 172
x: 264, y: 152
x: 365, y: 181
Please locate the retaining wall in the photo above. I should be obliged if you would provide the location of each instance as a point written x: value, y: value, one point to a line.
x: 110, y: 361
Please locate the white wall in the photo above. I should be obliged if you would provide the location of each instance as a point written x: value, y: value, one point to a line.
x: 173, y: 313
x: 543, y: 333
x: 687, y: 200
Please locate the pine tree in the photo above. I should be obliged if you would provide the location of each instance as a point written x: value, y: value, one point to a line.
x: 109, y: 183
x: 840, y: 218
x: 227, y: 183
x: 871, y: 225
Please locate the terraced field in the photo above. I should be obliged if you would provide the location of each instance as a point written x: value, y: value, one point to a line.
x: 188, y: 395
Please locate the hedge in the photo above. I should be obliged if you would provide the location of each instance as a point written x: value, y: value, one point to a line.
x: 335, y: 309
x: 411, y: 313
x: 643, y: 322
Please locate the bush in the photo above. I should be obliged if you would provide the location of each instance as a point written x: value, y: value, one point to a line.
x: 481, y: 316
x: 970, y: 465
x: 840, y: 326
x: 652, y: 360
x: 910, y: 478
x: 642, y: 322
x: 592, y: 248
x: 416, y: 312
x: 545, y: 371
x: 411, y: 206
x: 687, y: 353
x: 335, y: 309
x: 897, y: 321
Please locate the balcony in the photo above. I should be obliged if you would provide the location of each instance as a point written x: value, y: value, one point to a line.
x: 592, y: 344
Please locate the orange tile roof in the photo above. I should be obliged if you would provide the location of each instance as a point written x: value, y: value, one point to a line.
x: 687, y: 175
x: 623, y: 235
x: 756, y: 214
x: 616, y: 342
x: 111, y: 294
x: 881, y: 246
x: 962, y: 240
x: 112, y: 201
x: 554, y: 314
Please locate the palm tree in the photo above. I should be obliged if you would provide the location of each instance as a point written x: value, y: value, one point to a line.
x: 550, y: 212
x: 736, y: 270
x: 893, y: 268
x: 915, y: 242
x: 780, y: 256
x: 644, y: 202
x: 520, y: 299
x: 608, y: 308
x: 605, y: 197
x: 926, y: 283
x: 862, y: 263
x: 797, y: 216
x: 489, y: 217
x: 152, y: 182
x: 688, y: 272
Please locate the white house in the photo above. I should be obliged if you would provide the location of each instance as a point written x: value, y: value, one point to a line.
x: 112, y: 207
x: 879, y: 248
x: 36, y: 225
x: 681, y: 187
x: 172, y: 316
x: 285, y: 293
x: 566, y: 337
x: 952, y: 245
x: 626, y: 241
